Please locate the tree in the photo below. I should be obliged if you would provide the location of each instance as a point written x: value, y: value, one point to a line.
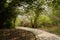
x: 35, y: 9
x: 53, y: 10
x: 8, y: 12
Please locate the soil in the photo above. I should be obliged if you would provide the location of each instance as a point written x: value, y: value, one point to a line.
x: 16, y: 34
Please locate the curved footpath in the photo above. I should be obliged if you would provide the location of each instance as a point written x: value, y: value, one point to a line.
x: 40, y: 34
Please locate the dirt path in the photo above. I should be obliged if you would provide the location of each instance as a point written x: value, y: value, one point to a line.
x: 40, y: 34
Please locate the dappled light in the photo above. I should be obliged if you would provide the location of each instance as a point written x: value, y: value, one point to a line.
x: 34, y: 14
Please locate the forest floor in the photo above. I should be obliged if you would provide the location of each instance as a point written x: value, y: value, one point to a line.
x: 25, y: 33
x: 41, y: 34
x: 16, y: 34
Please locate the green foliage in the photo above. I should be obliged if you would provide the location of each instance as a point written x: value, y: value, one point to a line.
x: 45, y: 7
x: 8, y: 12
x: 44, y: 19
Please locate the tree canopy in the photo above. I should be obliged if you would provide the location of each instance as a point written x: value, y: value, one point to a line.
x: 8, y: 12
x: 9, y: 9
